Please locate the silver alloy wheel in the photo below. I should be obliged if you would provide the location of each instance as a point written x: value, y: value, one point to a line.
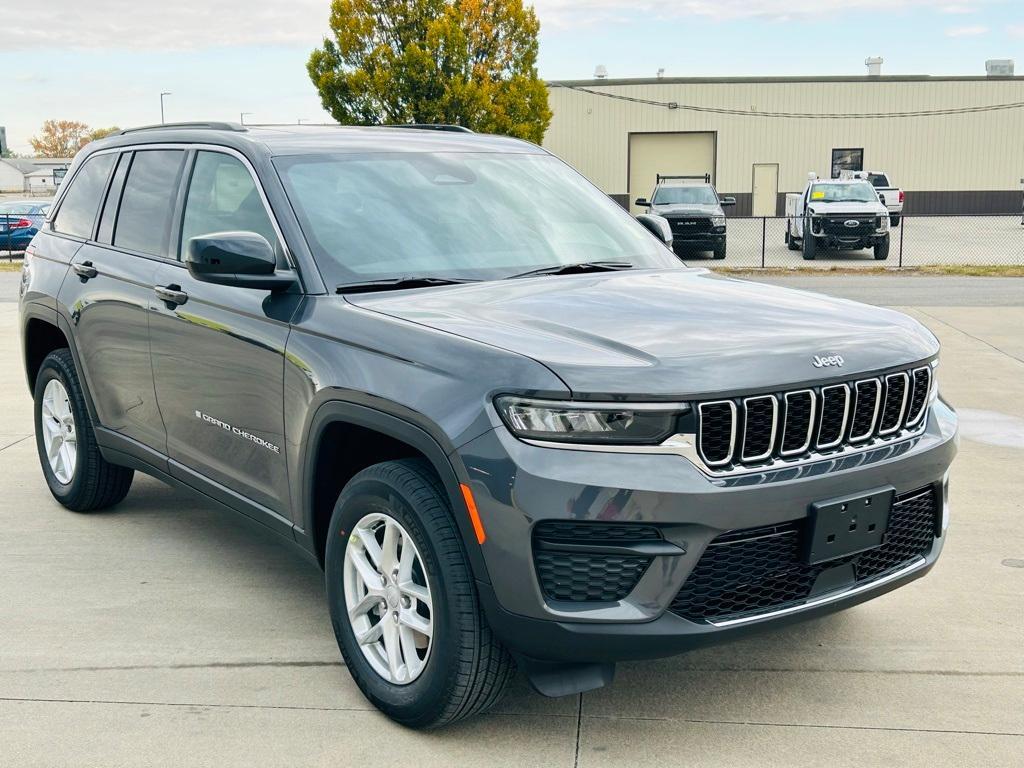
x: 387, y: 596
x: 59, y: 435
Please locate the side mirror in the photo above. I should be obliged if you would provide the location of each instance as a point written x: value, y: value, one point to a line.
x: 727, y: 201
x: 642, y: 202
x: 241, y: 259
x: 657, y: 226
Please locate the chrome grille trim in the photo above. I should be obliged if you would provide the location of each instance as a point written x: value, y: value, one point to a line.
x: 810, y: 422
x: 775, y: 425
x: 903, y: 405
x: 914, y: 418
x: 846, y: 415
x: 732, y: 434
x: 874, y: 415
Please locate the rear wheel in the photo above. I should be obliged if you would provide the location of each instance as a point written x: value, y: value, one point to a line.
x: 403, y: 602
x: 882, y: 249
x: 76, y: 472
x: 894, y: 220
x: 790, y: 240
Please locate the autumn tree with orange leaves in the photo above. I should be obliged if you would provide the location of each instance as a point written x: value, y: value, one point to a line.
x: 462, y: 62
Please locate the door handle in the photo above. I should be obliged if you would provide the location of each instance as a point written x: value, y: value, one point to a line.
x: 171, y: 294
x: 85, y: 270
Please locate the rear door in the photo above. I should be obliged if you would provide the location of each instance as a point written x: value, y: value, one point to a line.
x: 108, y: 293
x: 218, y: 351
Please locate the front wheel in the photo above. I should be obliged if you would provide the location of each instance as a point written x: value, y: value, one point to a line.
x: 810, y: 245
x: 76, y: 472
x: 403, y: 602
x: 882, y: 249
x: 719, y: 252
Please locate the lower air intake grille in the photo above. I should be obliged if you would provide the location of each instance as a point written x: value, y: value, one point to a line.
x: 593, y: 576
x: 758, y: 570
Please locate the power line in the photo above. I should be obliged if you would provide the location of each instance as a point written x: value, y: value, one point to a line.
x: 797, y: 115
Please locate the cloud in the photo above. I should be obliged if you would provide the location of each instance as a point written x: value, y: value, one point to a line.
x: 971, y: 31
x: 571, y: 13
x: 1016, y: 30
x: 957, y: 9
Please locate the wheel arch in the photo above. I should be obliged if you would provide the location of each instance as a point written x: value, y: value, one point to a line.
x: 327, y: 464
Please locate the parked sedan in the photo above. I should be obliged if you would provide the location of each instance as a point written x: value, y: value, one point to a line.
x: 19, y: 222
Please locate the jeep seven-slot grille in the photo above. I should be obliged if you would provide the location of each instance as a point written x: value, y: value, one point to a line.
x: 762, y: 429
x: 761, y: 569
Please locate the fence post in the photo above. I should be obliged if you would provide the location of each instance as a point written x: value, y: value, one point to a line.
x: 764, y: 237
x: 903, y: 226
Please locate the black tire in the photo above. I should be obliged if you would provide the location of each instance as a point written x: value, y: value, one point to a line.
x: 894, y: 220
x: 468, y: 670
x: 96, y: 483
x: 791, y: 243
x: 882, y: 249
x: 719, y: 252
x: 810, y: 246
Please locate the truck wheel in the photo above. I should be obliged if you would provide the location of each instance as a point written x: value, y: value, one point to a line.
x: 882, y: 249
x: 403, y: 602
x: 719, y: 252
x: 810, y: 245
x: 790, y: 240
x: 76, y: 472
x: 894, y: 220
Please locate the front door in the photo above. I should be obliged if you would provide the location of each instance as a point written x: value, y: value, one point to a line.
x: 218, y: 351
x: 766, y: 189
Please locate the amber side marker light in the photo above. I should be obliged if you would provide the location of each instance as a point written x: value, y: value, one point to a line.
x: 474, y: 516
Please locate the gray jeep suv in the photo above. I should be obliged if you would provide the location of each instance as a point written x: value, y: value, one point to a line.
x: 480, y: 396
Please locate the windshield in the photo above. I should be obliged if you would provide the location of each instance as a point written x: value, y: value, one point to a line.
x: 853, y: 192
x: 689, y: 195
x: 456, y: 215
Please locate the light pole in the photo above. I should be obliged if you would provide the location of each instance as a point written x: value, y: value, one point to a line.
x: 162, y: 94
x: 241, y: 117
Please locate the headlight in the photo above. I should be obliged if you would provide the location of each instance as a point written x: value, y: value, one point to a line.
x: 933, y: 394
x: 883, y: 223
x: 577, y: 422
x: 718, y: 221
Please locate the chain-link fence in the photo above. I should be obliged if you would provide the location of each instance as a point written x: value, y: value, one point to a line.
x: 917, y: 241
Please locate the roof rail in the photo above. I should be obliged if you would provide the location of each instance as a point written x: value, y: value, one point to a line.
x: 212, y: 126
x: 706, y: 177
x: 429, y: 127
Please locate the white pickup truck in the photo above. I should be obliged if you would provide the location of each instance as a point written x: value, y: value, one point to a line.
x: 891, y: 197
x: 837, y: 214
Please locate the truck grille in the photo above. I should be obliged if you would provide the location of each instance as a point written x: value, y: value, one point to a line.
x: 591, y: 576
x: 765, y: 429
x: 689, y: 225
x: 836, y: 226
x: 760, y: 569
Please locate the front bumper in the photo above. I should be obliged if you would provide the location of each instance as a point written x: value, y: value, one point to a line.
x: 517, y: 485
x: 707, y: 241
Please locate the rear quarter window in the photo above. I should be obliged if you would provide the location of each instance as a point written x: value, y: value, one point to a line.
x: 77, y: 212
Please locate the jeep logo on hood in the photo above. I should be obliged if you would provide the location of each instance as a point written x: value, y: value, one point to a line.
x: 824, y: 362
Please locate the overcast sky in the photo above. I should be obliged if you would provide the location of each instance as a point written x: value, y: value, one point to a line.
x: 105, y: 62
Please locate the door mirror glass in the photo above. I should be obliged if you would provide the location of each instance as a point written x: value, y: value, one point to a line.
x: 657, y: 226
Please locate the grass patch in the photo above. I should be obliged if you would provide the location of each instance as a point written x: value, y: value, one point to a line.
x: 955, y: 270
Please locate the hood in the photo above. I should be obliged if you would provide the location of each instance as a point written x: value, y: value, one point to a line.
x: 673, y: 332
x: 838, y: 209
x: 685, y: 209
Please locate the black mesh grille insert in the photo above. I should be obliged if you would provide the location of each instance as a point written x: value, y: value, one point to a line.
x: 919, y: 394
x: 799, y: 406
x: 595, y: 533
x: 892, y: 411
x: 864, y: 409
x: 833, y: 415
x: 757, y: 427
x: 761, y: 569
x: 716, y: 431
x: 588, y: 577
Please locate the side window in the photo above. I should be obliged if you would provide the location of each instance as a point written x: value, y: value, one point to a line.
x: 222, y: 197
x: 144, y: 218
x: 106, y: 229
x: 77, y: 212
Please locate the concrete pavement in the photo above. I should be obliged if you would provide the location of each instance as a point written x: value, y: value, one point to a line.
x: 171, y: 633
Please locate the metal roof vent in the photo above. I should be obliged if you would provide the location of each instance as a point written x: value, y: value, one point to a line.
x: 874, y: 65
x: 999, y: 67
x: 600, y: 72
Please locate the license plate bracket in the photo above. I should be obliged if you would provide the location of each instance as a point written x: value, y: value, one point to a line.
x: 847, y: 525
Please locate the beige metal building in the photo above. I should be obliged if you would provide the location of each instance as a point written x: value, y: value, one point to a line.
x: 963, y: 152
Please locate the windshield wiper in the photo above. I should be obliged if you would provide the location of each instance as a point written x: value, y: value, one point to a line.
x: 575, y: 269
x: 397, y: 283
